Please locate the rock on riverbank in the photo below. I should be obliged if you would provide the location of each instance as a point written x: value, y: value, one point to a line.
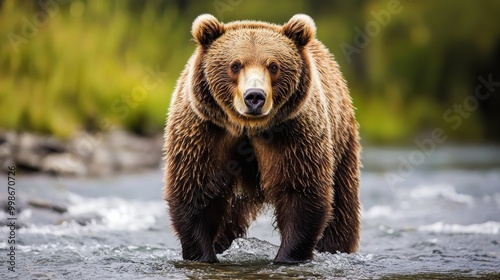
x: 84, y: 154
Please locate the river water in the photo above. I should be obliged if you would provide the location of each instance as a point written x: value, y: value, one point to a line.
x: 439, y: 219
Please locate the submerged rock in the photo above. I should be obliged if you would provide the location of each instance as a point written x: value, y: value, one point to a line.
x: 48, y: 205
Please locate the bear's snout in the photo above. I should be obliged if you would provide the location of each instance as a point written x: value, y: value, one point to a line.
x: 254, y: 99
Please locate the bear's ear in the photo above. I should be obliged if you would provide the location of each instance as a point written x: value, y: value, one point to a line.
x: 301, y: 29
x: 206, y: 29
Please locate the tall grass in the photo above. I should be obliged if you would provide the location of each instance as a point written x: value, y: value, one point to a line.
x: 85, y: 58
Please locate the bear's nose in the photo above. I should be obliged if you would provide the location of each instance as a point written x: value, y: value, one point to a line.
x: 254, y: 99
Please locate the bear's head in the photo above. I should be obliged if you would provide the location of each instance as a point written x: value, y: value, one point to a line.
x: 252, y: 72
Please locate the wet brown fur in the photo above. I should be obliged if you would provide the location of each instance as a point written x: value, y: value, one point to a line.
x: 303, y: 158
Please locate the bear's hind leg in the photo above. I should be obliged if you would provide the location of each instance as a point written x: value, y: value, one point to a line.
x: 342, y: 231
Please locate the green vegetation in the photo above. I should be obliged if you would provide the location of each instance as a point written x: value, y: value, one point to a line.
x: 88, y: 64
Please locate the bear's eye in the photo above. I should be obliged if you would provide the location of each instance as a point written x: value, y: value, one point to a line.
x: 273, y: 68
x: 236, y: 67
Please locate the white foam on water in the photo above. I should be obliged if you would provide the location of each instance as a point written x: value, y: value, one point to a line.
x: 115, y: 214
x: 447, y: 192
x: 484, y: 228
x: 378, y: 211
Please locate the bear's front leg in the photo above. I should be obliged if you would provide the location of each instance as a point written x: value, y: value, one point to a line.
x: 196, y: 187
x: 301, y: 217
x: 197, y: 226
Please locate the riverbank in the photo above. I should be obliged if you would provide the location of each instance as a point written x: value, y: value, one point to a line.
x: 85, y: 154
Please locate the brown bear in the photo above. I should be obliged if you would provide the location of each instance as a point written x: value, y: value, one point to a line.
x: 261, y: 114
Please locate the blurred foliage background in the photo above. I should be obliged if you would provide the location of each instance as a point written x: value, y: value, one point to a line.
x: 68, y: 65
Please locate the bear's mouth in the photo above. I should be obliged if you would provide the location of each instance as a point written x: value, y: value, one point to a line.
x: 254, y: 113
x: 251, y: 118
